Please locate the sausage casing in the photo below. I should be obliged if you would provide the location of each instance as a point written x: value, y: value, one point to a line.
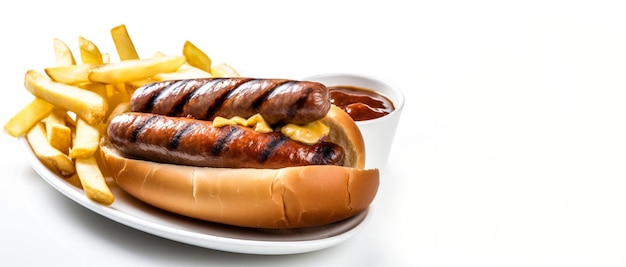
x: 193, y: 142
x: 279, y: 101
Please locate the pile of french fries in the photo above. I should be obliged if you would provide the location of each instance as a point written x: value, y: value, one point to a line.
x: 73, y: 102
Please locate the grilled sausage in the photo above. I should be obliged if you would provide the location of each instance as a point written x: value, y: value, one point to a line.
x: 193, y: 142
x: 279, y: 101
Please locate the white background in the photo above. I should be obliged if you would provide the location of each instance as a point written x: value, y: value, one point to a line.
x: 511, y: 150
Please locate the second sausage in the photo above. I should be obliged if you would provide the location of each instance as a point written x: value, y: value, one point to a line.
x: 279, y: 101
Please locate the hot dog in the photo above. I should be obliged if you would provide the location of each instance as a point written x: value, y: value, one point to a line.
x: 182, y: 164
x: 278, y: 100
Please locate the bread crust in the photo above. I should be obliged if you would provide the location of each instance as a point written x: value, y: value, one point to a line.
x: 292, y: 197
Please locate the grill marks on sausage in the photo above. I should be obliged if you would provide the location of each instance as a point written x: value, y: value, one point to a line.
x: 271, y: 146
x: 150, y: 94
x: 231, y: 134
x: 177, y: 109
x: 223, y: 137
x: 261, y: 99
x: 140, y: 127
x: 279, y: 100
x: 173, y: 144
x: 291, y: 112
x: 197, y: 143
x: 223, y: 92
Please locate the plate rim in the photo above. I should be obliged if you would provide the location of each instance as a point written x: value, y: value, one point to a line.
x: 204, y: 240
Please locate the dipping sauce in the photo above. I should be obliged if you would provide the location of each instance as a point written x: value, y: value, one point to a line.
x: 360, y: 103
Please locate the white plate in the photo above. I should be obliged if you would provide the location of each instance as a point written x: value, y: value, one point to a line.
x: 136, y: 214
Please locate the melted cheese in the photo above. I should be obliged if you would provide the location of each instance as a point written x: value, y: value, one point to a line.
x: 257, y: 122
x: 310, y: 133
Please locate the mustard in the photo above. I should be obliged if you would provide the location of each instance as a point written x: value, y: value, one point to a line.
x: 259, y: 124
x: 309, y: 133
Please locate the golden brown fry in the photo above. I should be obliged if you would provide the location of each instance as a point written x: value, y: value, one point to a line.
x: 63, y: 54
x: 119, y: 109
x: 97, y: 88
x: 89, y: 52
x: 70, y: 74
x: 115, y: 88
x: 58, y: 133
x: 133, y: 70
x: 27, y: 117
x: 93, y: 181
x: 139, y: 83
x: 86, y: 140
x: 224, y: 70
x: 48, y: 155
x: 185, y: 71
x: 123, y: 43
x: 115, y: 98
x: 196, y: 57
x: 87, y: 105
x: 66, y: 70
x: 74, y: 181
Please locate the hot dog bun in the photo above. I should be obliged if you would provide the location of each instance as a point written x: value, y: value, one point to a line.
x: 292, y: 197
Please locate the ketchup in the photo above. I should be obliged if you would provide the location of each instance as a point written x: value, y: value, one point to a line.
x: 360, y: 103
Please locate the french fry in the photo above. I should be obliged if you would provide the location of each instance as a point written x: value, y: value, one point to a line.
x: 115, y: 88
x: 63, y: 54
x: 224, y: 70
x: 70, y: 74
x: 133, y: 70
x: 86, y: 140
x: 196, y: 57
x: 27, y: 117
x: 123, y: 44
x: 58, y: 133
x: 97, y: 88
x: 139, y: 83
x: 185, y: 71
x: 116, y: 95
x: 66, y: 71
x: 89, y: 52
x: 119, y: 109
x: 87, y: 105
x: 93, y: 181
x: 48, y: 155
x: 74, y: 181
